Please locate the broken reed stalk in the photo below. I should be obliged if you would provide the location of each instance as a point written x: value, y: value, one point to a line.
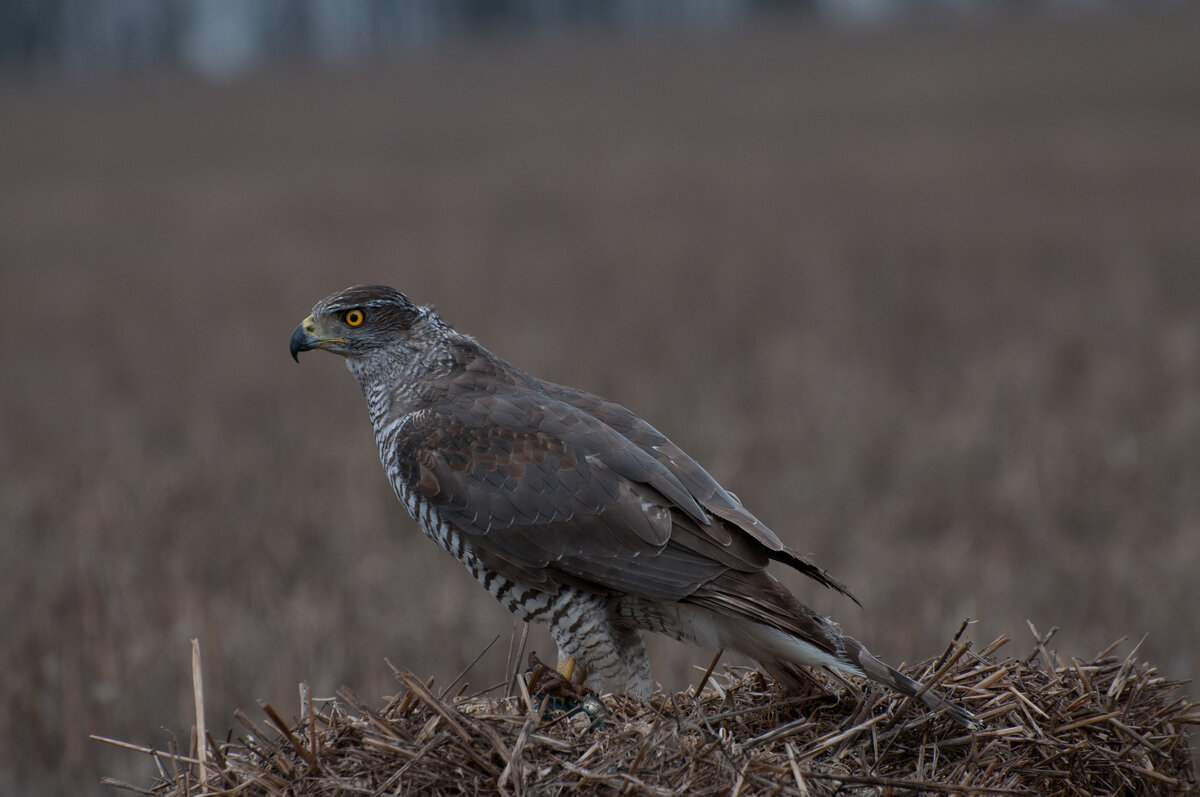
x: 708, y: 673
x: 201, y: 728
x: 1105, y: 725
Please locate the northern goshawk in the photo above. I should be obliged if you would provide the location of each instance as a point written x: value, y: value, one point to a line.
x: 571, y: 510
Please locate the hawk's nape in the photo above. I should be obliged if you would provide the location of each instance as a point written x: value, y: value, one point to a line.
x: 571, y: 510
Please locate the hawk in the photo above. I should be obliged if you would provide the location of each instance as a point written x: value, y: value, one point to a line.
x: 571, y: 510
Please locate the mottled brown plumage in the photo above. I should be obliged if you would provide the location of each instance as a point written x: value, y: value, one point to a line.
x: 570, y: 509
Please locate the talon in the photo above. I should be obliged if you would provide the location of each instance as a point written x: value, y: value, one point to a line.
x: 564, y: 686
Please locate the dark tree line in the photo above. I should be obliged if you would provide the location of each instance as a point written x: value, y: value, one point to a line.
x: 215, y: 34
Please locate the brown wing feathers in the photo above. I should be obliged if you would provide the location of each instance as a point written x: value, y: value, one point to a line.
x: 700, y: 485
x: 553, y: 486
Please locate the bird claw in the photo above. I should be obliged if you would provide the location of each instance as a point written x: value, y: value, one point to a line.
x: 564, y: 695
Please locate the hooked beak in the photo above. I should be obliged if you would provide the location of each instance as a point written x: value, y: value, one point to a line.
x: 308, y: 336
x: 302, y: 339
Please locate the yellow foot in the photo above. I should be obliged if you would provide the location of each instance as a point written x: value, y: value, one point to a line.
x: 567, y: 669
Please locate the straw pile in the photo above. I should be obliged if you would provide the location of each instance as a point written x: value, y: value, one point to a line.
x: 1050, y: 727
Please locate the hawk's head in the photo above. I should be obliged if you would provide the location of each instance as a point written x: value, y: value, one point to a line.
x: 357, y: 321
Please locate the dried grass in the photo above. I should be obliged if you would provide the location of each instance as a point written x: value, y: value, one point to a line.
x: 1107, y: 725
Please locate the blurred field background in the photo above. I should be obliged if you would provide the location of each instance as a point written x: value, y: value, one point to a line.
x: 925, y: 296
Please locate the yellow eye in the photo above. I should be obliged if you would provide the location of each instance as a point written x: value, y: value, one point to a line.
x: 354, y: 317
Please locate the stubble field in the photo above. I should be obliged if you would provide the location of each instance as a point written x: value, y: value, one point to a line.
x: 927, y: 300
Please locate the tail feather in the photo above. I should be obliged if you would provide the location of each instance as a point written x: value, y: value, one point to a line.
x: 881, y: 673
x: 753, y: 614
x: 783, y: 654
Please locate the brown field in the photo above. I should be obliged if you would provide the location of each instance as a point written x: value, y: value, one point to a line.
x: 927, y: 299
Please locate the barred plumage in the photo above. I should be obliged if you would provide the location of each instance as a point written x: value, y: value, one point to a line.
x: 572, y: 511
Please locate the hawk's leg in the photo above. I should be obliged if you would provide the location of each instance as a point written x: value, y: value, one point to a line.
x: 609, y: 653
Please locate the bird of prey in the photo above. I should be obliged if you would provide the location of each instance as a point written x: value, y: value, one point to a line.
x: 574, y: 512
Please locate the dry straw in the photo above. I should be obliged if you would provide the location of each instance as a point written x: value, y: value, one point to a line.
x: 1109, y: 725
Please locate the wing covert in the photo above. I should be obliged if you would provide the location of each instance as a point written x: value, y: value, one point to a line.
x: 559, y: 494
x: 542, y: 497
